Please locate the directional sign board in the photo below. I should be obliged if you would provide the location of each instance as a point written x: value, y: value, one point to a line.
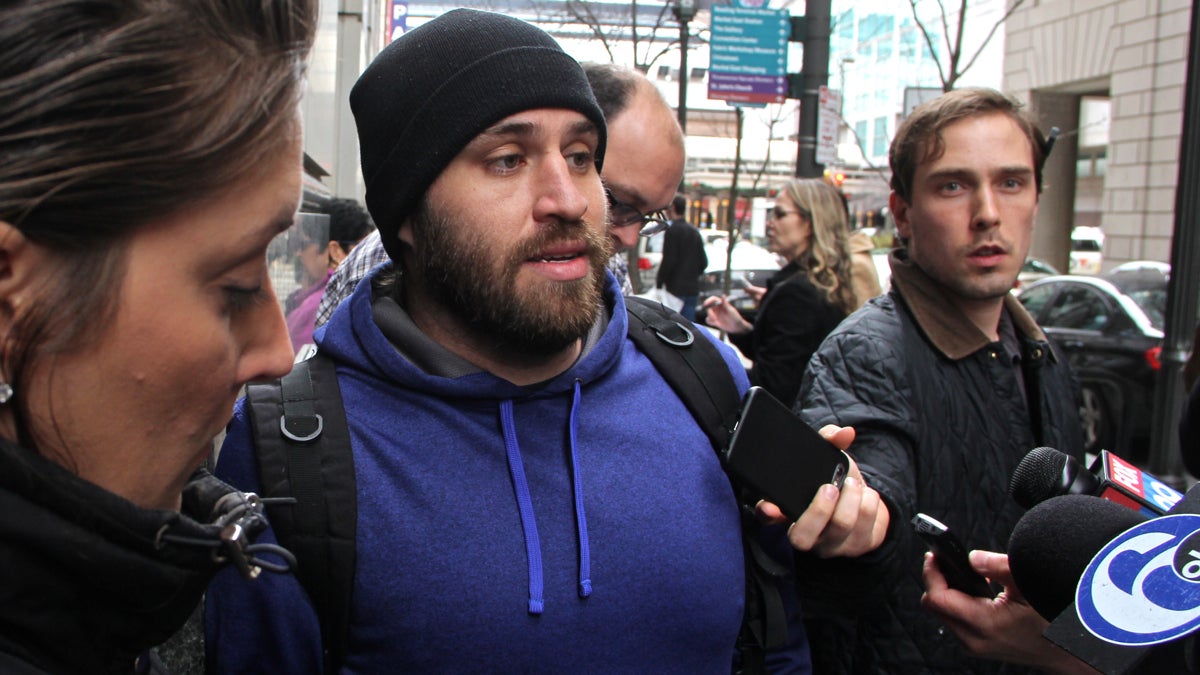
x: 748, y: 55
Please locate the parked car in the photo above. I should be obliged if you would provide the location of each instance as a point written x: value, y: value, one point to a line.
x: 648, y: 259
x: 1087, y: 244
x: 650, y: 253
x: 1111, y: 330
x: 750, y: 263
x: 1031, y: 271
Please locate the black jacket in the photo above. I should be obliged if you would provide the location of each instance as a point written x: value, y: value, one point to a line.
x: 89, y: 581
x: 941, y: 424
x: 792, y: 320
x: 683, y: 260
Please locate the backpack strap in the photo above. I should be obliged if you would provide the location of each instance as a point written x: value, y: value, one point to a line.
x: 698, y: 374
x: 305, y: 464
x: 690, y: 363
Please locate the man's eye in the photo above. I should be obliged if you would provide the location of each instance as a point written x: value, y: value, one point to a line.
x: 581, y: 160
x: 506, y: 163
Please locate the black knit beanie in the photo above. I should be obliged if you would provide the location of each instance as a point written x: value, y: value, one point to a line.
x: 435, y: 88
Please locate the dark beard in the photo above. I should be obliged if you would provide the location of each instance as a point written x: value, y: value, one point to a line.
x: 459, y: 273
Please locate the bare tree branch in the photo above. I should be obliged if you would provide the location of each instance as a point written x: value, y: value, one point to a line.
x: 953, y: 70
x: 992, y: 32
x: 929, y: 40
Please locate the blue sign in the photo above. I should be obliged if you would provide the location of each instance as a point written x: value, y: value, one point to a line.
x: 749, y: 46
x: 1143, y: 588
x: 399, y: 18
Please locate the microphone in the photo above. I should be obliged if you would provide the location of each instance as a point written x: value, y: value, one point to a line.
x: 1046, y: 472
x: 1052, y: 544
x: 1122, y: 591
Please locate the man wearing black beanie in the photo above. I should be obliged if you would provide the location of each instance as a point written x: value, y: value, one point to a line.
x: 531, y: 494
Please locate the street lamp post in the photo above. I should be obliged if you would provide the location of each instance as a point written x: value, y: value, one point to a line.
x: 685, y: 11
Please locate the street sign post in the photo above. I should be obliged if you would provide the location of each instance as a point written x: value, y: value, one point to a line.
x: 828, y: 121
x: 748, y: 55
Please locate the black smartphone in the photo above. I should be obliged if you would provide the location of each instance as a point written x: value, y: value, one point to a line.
x: 778, y: 457
x: 951, y: 557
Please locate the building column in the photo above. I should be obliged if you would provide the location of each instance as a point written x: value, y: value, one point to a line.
x: 1056, y: 209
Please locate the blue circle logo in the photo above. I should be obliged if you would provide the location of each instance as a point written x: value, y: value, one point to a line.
x: 1143, y: 588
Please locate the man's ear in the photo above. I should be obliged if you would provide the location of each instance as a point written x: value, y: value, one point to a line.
x: 21, y: 263
x: 335, y: 252
x: 899, y: 209
x: 405, y: 233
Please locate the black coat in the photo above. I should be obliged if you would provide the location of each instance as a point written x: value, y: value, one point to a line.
x: 792, y: 320
x: 683, y: 260
x: 89, y: 581
x: 941, y: 424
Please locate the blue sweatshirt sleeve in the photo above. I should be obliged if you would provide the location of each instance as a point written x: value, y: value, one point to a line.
x: 267, y: 625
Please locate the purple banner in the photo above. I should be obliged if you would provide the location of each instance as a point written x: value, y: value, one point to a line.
x: 747, y: 88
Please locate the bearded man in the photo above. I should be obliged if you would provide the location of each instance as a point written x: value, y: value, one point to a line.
x: 532, y: 495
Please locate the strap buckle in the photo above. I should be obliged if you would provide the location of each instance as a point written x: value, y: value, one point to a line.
x: 301, y: 428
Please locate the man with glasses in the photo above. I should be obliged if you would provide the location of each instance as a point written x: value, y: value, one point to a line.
x: 642, y: 170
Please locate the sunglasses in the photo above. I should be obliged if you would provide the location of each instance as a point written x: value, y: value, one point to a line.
x: 779, y: 214
x: 621, y: 214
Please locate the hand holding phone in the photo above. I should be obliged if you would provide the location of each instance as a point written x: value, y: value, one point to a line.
x: 951, y: 557
x: 778, y: 457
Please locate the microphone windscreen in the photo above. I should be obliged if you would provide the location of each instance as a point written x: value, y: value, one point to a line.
x: 1053, y: 543
x: 1037, y: 477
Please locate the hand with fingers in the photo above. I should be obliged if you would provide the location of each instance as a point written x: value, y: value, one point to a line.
x: 1004, y: 628
x: 847, y: 522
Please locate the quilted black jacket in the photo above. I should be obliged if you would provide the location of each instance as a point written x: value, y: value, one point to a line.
x: 941, y: 425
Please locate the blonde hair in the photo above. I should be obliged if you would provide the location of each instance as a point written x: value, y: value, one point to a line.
x: 826, y: 263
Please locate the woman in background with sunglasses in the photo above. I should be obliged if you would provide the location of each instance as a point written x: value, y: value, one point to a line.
x: 806, y: 299
x: 149, y: 152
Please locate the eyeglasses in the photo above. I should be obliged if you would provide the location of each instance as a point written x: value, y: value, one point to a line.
x: 621, y: 214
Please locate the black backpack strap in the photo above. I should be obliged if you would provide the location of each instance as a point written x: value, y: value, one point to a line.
x: 691, y: 364
x: 302, y: 444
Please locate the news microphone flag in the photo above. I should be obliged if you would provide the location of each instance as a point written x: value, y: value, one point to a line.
x: 1045, y: 472
x: 1129, y: 486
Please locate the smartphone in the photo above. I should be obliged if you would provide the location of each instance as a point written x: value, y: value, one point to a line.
x: 951, y: 557
x: 776, y: 456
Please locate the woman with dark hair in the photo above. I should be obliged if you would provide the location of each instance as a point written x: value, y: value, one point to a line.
x: 805, y: 300
x: 149, y: 152
x: 319, y: 256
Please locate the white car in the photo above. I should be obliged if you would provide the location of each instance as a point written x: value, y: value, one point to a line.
x: 1087, y: 246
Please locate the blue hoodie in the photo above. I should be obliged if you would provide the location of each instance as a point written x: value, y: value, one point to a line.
x: 580, y: 525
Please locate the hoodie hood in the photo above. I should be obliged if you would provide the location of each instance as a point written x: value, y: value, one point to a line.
x: 354, y: 339
x: 376, y: 336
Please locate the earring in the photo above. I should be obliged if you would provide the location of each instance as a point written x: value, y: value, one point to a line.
x: 6, y: 392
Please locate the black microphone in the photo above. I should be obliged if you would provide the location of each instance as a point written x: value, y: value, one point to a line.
x: 1046, y: 472
x: 1053, y: 543
x: 1122, y: 591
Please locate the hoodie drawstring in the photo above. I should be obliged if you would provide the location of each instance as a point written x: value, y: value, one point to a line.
x: 533, y: 546
x: 585, y: 551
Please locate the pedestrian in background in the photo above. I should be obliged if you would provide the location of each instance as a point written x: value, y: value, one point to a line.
x: 149, y: 152
x: 319, y: 257
x: 806, y: 299
x: 683, y: 259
